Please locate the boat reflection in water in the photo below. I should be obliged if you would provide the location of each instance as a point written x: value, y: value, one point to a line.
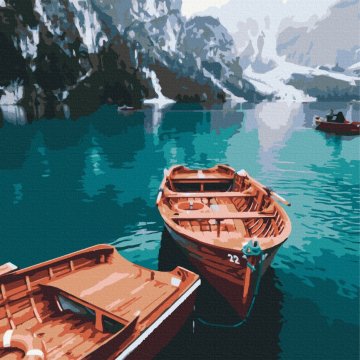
x: 258, y: 337
x: 228, y: 224
x: 13, y: 114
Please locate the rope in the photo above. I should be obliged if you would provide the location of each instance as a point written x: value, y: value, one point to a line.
x: 237, y: 325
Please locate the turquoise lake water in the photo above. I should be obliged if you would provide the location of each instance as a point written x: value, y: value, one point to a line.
x: 68, y: 184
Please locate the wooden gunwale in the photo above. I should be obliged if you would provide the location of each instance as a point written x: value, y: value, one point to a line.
x: 33, y: 286
x: 270, y: 240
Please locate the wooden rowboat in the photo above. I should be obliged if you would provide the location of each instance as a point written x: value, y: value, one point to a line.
x: 227, y: 223
x: 92, y: 304
x: 345, y: 128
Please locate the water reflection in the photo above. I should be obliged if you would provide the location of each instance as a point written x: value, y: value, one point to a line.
x: 351, y: 111
x: 14, y: 114
x: 276, y: 122
x: 210, y: 305
x: 67, y: 184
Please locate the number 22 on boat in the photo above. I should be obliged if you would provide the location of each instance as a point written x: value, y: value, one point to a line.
x: 233, y: 258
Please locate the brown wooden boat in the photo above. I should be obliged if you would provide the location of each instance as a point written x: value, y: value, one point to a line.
x: 227, y: 223
x: 92, y: 304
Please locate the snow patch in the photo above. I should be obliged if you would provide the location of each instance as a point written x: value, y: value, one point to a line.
x: 274, y: 81
x: 234, y: 98
x: 89, y: 28
x: 161, y: 100
x: 11, y: 94
x: 355, y: 66
x: 14, y: 114
x: 29, y: 43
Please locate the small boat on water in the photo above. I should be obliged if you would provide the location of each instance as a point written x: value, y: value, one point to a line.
x: 125, y: 108
x: 340, y: 128
x: 92, y: 304
x: 228, y: 224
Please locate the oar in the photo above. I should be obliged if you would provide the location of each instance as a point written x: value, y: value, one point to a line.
x: 272, y: 193
x: 279, y: 198
x: 161, y: 189
x: 7, y: 268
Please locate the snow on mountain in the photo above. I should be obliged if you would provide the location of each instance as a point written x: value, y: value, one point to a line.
x: 187, y: 48
x: 85, y: 23
x: 114, y: 51
x: 334, y: 39
x: 89, y: 52
x: 268, y: 45
x: 64, y: 51
x: 209, y: 41
x: 125, y: 12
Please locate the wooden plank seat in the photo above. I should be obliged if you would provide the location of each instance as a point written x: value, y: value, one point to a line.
x: 221, y: 216
x: 200, y: 180
x: 200, y: 176
x: 208, y: 195
x: 104, y: 287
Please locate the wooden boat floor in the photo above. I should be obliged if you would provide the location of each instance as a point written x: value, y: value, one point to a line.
x: 64, y: 335
x: 123, y: 294
x: 232, y: 230
x: 221, y: 216
x: 232, y: 234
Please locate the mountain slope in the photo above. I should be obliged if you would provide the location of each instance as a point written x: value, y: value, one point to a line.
x: 89, y: 52
x: 329, y: 41
x: 283, y: 65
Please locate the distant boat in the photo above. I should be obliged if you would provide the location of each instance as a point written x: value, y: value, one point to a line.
x: 228, y: 224
x: 125, y: 108
x: 92, y: 304
x: 345, y: 128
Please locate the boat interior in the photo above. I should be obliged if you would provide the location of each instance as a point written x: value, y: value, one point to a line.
x: 77, y: 303
x: 220, y: 207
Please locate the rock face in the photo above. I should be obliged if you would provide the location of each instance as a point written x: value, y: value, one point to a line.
x: 326, y: 88
x: 332, y: 41
x: 294, y: 52
x: 87, y: 52
x: 214, y: 48
x: 63, y: 50
x: 185, y: 54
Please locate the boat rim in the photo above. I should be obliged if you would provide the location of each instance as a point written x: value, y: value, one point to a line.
x: 280, y: 239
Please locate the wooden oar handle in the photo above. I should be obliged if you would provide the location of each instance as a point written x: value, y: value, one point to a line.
x: 280, y: 198
x: 162, y: 185
x: 159, y: 196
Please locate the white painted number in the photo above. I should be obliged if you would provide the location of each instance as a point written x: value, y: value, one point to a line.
x: 233, y: 258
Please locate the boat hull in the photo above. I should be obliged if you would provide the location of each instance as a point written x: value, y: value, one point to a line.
x: 227, y: 277
x: 148, y: 306
x: 339, y: 128
x: 154, y: 339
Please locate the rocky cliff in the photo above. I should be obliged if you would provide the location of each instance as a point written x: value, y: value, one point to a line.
x: 85, y: 53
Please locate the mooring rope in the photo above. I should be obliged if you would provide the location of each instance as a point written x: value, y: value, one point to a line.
x: 237, y: 325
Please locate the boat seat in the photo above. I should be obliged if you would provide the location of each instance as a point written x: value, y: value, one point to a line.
x: 221, y: 216
x: 208, y: 195
x: 200, y: 175
x: 122, y: 294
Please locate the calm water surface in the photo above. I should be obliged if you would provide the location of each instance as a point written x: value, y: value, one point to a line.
x: 66, y: 185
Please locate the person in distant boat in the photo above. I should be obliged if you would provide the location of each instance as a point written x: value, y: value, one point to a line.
x: 340, y: 118
x: 329, y: 117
